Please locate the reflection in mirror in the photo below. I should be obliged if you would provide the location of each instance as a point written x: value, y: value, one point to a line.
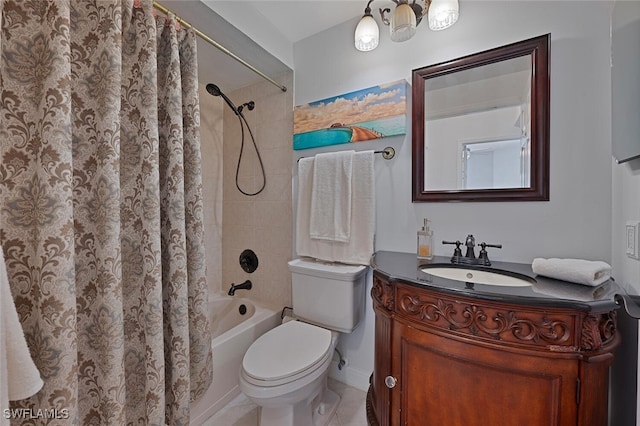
x: 478, y: 119
x: 480, y: 126
x: 494, y: 164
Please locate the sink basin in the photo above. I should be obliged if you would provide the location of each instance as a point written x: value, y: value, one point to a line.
x: 477, y: 276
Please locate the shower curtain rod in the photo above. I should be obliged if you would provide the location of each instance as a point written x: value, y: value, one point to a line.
x: 218, y: 46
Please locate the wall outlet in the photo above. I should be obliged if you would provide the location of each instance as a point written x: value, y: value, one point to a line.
x: 633, y: 244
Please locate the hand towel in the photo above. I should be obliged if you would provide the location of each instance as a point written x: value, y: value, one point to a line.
x: 571, y: 291
x: 360, y: 247
x: 19, y: 377
x: 331, y: 197
x: 577, y: 271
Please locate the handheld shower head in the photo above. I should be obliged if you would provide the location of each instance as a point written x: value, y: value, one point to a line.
x: 215, y: 91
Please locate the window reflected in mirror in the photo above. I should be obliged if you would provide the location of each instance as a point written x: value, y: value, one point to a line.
x: 494, y: 164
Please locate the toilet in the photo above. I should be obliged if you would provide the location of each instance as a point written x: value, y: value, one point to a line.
x: 285, y: 370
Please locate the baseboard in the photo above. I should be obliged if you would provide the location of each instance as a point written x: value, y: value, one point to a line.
x: 350, y: 376
x: 202, y: 414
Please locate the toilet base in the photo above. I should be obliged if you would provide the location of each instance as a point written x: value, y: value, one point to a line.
x: 322, y: 416
x: 304, y: 413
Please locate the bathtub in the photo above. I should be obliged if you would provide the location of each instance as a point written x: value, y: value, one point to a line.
x: 235, y: 324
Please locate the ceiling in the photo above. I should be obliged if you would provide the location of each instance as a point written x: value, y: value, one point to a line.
x: 321, y: 15
x: 229, y: 22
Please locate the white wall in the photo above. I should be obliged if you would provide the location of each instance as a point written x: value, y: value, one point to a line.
x: 576, y: 222
x: 625, y: 65
x: 244, y: 17
x: 625, y: 23
x: 626, y: 206
x: 626, y: 185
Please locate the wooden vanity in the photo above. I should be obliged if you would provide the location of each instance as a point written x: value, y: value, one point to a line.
x: 451, y: 353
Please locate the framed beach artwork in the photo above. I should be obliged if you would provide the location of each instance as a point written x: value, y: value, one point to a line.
x: 372, y: 113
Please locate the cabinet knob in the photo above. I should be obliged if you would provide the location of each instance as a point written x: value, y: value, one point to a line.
x: 390, y: 381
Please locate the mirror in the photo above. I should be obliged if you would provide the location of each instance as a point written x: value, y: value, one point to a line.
x: 480, y: 126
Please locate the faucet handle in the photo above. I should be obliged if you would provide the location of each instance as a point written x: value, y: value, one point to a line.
x: 483, y: 255
x: 457, y: 252
x: 483, y: 245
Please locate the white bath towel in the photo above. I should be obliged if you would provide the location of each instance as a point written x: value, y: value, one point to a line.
x: 19, y: 377
x: 359, y: 249
x: 331, y: 196
x: 577, y: 271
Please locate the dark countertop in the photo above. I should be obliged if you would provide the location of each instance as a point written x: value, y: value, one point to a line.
x: 404, y: 267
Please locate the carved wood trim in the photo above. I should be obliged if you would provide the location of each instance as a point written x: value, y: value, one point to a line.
x: 371, y: 414
x: 598, y: 330
x: 489, y: 322
x: 383, y: 293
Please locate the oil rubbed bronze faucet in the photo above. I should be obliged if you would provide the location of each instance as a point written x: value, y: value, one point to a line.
x: 470, y: 242
x: 244, y: 286
x: 470, y: 256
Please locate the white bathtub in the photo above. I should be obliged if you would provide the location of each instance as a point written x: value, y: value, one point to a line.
x: 232, y: 334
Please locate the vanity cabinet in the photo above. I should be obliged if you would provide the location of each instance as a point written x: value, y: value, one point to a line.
x: 449, y: 359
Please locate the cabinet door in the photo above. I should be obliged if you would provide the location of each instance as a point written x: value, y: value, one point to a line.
x: 451, y: 380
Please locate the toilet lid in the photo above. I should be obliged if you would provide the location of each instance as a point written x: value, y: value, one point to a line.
x: 286, y: 350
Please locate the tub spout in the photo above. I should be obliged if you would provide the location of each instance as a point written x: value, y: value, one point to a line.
x: 244, y: 286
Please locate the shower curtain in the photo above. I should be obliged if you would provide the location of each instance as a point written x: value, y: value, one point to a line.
x: 101, y: 210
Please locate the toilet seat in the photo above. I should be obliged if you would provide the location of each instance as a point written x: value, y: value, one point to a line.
x: 286, y: 353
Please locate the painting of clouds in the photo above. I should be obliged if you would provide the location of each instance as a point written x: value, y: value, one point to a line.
x: 372, y: 113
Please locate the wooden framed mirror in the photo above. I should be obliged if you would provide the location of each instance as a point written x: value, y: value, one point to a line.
x: 480, y: 126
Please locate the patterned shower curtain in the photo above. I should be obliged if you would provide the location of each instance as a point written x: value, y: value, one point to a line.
x: 101, y: 210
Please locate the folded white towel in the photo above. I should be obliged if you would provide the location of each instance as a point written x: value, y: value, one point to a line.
x: 19, y: 377
x: 359, y: 249
x: 571, y: 291
x: 577, y: 271
x: 331, y: 196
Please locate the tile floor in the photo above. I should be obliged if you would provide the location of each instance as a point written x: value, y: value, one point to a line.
x: 350, y: 412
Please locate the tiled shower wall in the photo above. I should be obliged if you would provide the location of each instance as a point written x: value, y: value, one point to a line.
x: 211, y: 134
x: 262, y: 223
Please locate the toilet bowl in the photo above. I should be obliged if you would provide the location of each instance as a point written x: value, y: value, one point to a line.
x: 285, y: 370
x: 285, y: 373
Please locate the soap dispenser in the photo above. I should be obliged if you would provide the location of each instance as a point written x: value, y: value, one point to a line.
x: 425, y: 241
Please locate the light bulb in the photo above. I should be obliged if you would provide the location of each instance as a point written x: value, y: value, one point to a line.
x: 443, y: 14
x: 367, y: 34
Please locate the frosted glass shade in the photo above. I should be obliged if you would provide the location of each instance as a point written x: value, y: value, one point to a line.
x: 403, y: 23
x: 367, y: 34
x: 442, y: 14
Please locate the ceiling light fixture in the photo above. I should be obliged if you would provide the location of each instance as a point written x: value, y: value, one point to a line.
x: 367, y: 32
x: 404, y: 20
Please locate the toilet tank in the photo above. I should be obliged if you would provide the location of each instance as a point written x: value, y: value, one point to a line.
x: 330, y: 295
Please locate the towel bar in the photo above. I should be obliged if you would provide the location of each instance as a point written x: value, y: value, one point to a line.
x: 629, y: 303
x: 388, y: 153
